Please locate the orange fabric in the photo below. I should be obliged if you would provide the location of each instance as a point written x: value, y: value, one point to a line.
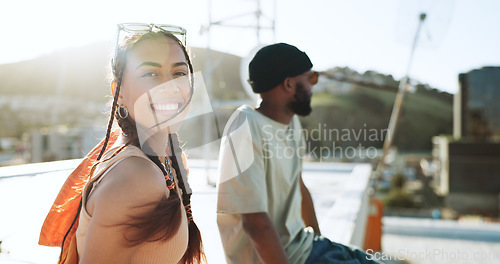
x: 65, y: 207
x: 70, y: 255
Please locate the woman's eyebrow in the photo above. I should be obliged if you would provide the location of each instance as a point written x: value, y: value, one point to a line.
x: 177, y: 64
x: 149, y: 63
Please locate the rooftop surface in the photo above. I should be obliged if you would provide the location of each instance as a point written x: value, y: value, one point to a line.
x: 27, y: 192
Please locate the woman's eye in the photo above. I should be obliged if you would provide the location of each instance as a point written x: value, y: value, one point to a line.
x: 179, y: 74
x: 149, y: 75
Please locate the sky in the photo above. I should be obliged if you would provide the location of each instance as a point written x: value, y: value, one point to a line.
x: 456, y: 37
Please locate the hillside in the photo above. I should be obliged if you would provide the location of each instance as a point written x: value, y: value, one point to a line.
x: 71, y: 87
x: 83, y: 72
x: 355, y: 108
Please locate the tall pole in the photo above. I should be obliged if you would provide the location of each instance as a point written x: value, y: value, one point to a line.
x: 398, y: 104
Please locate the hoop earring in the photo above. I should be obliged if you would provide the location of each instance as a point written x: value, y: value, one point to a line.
x: 124, y: 109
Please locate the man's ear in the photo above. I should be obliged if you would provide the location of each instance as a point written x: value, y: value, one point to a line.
x: 289, y: 84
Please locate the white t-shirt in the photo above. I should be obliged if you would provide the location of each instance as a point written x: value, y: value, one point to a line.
x: 260, y: 164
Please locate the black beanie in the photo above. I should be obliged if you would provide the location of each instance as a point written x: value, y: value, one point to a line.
x: 273, y: 63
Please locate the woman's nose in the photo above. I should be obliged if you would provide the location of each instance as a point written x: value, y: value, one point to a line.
x: 169, y: 87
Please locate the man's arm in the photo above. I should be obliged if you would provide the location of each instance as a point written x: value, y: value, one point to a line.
x: 264, y: 237
x: 308, y: 213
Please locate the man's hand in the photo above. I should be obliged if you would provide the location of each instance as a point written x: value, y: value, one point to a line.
x: 265, y: 239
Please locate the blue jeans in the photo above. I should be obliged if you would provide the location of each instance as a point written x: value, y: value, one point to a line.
x: 325, y: 251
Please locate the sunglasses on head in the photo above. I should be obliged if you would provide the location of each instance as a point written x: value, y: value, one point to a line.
x: 137, y: 28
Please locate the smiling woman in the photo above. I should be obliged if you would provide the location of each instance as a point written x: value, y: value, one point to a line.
x: 136, y: 206
x: 156, y: 88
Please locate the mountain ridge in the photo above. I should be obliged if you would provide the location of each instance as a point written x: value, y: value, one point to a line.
x: 78, y: 79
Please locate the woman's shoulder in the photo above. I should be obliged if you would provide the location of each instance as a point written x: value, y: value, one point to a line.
x: 135, y: 171
x: 133, y: 182
x: 127, y: 164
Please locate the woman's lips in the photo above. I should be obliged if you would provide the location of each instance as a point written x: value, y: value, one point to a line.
x: 167, y: 107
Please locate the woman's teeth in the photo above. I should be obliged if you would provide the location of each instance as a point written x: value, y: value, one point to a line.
x: 166, y: 107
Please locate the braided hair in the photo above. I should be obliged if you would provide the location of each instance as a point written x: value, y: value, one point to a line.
x: 164, y: 221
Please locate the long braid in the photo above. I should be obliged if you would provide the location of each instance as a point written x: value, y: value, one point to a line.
x: 194, y: 253
x: 169, y: 182
x: 111, y: 119
x: 103, y: 149
x: 128, y: 127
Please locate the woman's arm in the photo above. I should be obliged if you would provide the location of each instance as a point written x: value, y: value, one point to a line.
x: 130, y: 189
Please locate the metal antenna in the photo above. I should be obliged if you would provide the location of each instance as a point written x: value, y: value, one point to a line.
x: 398, y: 104
x: 210, y: 66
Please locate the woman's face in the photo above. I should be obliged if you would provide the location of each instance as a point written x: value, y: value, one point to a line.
x: 155, y: 85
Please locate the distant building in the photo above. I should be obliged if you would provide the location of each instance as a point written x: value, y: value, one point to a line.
x: 60, y: 143
x: 469, y: 162
x: 477, y: 112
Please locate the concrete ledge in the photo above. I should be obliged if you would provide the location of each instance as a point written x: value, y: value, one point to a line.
x: 347, y: 217
x: 37, y: 168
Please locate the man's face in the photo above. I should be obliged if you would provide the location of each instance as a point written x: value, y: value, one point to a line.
x: 302, y: 104
x: 303, y: 93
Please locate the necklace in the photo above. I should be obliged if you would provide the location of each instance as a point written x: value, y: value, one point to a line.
x: 169, y: 178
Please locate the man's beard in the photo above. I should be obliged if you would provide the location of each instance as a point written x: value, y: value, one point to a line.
x: 302, y: 104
